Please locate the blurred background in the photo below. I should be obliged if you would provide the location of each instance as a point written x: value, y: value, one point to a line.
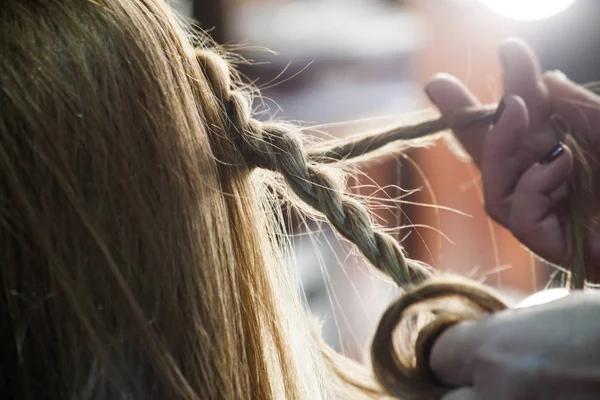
x: 351, y: 65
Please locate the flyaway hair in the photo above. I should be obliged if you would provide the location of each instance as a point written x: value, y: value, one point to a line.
x: 140, y: 247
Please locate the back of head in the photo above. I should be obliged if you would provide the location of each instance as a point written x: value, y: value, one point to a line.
x: 130, y: 263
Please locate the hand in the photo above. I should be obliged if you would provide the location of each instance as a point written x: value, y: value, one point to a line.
x: 524, y: 168
x: 549, y: 352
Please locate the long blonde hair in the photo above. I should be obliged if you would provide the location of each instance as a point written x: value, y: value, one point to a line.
x: 139, y: 230
x: 137, y: 261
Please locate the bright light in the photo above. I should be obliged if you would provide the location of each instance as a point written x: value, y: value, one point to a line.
x: 528, y: 10
x: 544, y: 296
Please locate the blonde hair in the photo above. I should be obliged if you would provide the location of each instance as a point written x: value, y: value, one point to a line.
x: 139, y: 239
x: 131, y: 264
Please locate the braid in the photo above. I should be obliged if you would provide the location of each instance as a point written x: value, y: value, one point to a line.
x: 316, y: 186
x: 363, y: 144
x: 280, y: 148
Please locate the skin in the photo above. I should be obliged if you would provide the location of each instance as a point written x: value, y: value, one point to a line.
x: 543, y: 352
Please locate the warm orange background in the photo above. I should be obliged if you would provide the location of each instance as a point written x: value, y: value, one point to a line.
x: 462, y: 41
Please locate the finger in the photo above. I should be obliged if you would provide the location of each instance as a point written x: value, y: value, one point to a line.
x: 533, y: 217
x: 579, y: 107
x: 522, y: 77
x: 465, y: 393
x: 452, y: 354
x: 449, y: 95
x: 503, y: 163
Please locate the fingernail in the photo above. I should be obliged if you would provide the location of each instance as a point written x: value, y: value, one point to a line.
x: 429, y: 95
x: 499, y: 111
x: 553, y: 154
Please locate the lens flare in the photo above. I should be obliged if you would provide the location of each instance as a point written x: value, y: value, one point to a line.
x: 543, y: 297
x: 528, y: 10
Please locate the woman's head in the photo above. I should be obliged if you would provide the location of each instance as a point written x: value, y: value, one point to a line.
x: 131, y: 264
x: 139, y: 257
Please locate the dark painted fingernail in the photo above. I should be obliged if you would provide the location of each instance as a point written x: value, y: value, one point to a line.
x: 553, y: 154
x: 499, y: 111
x: 429, y: 95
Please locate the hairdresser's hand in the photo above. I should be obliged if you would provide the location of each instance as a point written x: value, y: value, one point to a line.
x: 549, y: 352
x: 524, y: 168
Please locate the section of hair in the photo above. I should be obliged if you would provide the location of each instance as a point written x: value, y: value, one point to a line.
x: 135, y: 263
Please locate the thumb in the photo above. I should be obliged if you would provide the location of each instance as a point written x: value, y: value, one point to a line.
x: 449, y: 95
